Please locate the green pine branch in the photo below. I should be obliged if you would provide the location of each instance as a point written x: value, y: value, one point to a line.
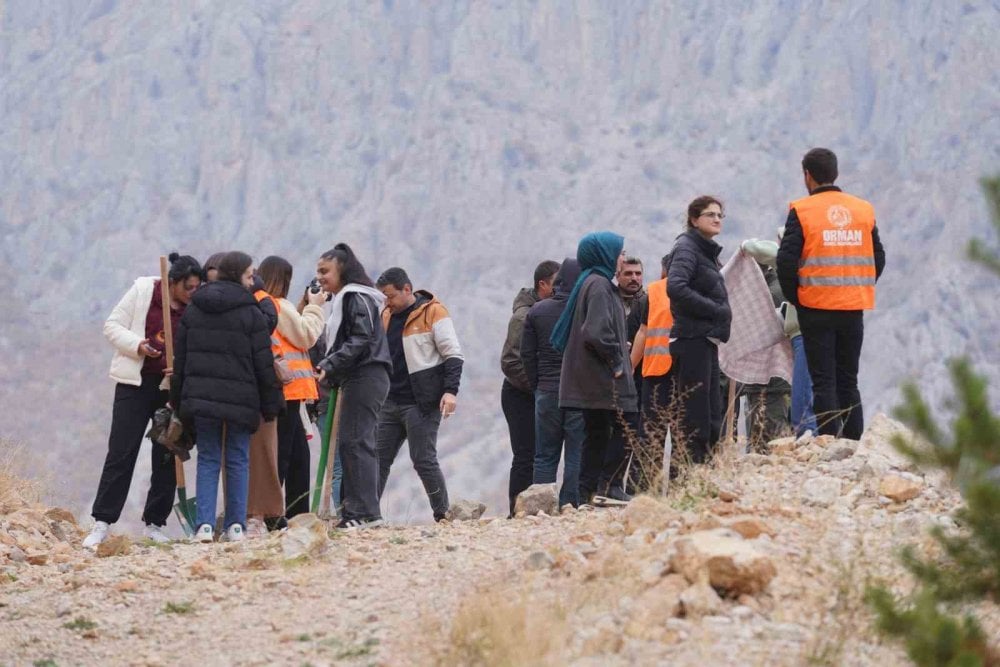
x: 967, y: 571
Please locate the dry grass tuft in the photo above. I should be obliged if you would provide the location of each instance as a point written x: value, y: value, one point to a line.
x: 15, y: 489
x: 505, y: 627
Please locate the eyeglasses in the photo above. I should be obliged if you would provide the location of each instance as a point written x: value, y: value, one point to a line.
x: 713, y: 214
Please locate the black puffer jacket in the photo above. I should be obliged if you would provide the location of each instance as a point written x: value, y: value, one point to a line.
x: 698, y: 299
x: 360, y: 340
x: 223, y: 365
x: 541, y: 361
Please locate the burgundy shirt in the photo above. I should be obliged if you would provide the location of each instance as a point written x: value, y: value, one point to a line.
x: 154, y: 331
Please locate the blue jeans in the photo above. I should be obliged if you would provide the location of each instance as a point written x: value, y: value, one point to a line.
x: 803, y: 418
x: 554, y: 427
x: 210, y: 453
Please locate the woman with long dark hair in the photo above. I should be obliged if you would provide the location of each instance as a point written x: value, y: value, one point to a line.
x: 358, y: 361
x: 699, y: 305
x: 135, y: 329
x: 224, y: 382
x: 290, y: 341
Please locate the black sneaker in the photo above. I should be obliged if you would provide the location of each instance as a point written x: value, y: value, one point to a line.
x: 618, y: 493
x: 360, y: 524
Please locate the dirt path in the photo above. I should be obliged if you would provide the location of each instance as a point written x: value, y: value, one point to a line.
x: 603, y: 587
x: 227, y: 604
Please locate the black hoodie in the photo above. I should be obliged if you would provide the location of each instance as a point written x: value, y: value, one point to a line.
x: 542, y: 362
x: 223, y: 364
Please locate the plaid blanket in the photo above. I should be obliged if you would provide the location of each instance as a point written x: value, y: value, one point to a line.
x: 758, y: 348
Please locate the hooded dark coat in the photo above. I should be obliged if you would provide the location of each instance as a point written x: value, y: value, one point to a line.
x: 223, y: 364
x: 542, y: 362
x: 597, y: 350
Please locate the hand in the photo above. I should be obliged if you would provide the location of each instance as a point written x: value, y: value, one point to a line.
x: 147, y: 350
x: 319, y: 374
x: 167, y: 372
x: 317, y: 299
x: 448, y: 403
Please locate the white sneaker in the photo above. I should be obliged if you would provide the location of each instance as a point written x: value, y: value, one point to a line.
x: 98, y: 534
x: 234, y: 533
x: 204, y: 534
x: 255, y: 528
x: 155, y: 533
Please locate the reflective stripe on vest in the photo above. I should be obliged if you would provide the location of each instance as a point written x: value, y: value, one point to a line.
x: 303, y: 384
x: 837, y: 267
x: 656, y: 359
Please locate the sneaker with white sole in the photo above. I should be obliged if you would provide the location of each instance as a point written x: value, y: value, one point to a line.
x: 155, y: 533
x: 255, y: 528
x: 360, y: 524
x: 204, y: 534
x: 234, y: 533
x: 98, y: 534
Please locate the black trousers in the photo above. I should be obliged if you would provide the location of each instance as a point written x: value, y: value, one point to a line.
x: 363, y: 396
x: 598, y: 426
x: 519, y: 411
x: 697, y: 394
x: 656, y: 423
x: 833, y: 340
x: 624, y: 431
x: 133, y: 408
x: 398, y: 422
x: 293, y: 460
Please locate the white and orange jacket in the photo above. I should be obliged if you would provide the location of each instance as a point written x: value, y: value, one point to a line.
x: 433, y: 355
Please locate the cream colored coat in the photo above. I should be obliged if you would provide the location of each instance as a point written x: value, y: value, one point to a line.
x: 125, y: 328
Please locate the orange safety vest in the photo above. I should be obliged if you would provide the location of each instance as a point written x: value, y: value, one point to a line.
x: 303, y: 384
x: 656, y: 359
x: 837, y: 267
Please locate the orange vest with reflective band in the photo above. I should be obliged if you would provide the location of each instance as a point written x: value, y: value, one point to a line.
x: 656, y: 359
x: 303, y: 384
x: 837, y: 267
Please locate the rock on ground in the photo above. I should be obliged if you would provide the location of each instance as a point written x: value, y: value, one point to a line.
x: 465, y: 510
x: 733, y: 564
x: 538, y: 498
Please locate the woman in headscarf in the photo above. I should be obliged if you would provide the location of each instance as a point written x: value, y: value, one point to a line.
x: 596, y: 374
x: 699, y: 305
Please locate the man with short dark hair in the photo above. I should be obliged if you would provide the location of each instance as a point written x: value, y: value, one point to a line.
x: 426, y: 371
x: 627, y: 427
x: 558, y: 432
x: 516, y: 396
x: 651, y: 320
x: 828, y: 263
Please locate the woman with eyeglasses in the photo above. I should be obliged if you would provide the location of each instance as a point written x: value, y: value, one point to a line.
x: 135, y: 329
x: 699, y: 305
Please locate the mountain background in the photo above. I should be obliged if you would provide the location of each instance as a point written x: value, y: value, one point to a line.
x: 466, y: 141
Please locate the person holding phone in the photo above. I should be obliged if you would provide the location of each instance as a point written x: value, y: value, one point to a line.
x: 140, y: 369
x: 357, y: 360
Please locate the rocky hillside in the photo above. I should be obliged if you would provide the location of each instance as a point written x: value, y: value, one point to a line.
x: 760, y: 559
x: 466, y: 141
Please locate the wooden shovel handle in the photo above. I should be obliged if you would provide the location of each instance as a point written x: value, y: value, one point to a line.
x: 168, y: 326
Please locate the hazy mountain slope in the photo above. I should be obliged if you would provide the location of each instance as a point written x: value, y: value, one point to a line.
x: 466, y: 141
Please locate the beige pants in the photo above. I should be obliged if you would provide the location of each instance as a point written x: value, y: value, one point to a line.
x: 265, y: 498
